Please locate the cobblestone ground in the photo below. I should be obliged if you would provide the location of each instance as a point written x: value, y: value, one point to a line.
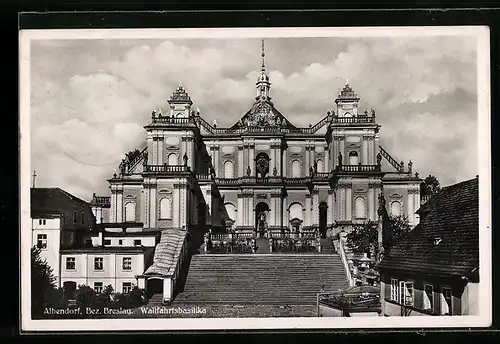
x: 223, y: 311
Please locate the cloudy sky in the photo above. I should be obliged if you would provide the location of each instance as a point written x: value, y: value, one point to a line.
x: 91, y: 98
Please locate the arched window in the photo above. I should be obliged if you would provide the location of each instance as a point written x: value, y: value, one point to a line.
x: 172, y: 159
x: 228, y: 169
x: 347, y: 114
x: 296, y: 211
x: 320, y: 165
x: 166, y: 208
x: 360, y: 208
x: 130, y: 212
x: 296, y: 169
x: 395, y: 208
x: 353, y: 158
x: 231, y: 211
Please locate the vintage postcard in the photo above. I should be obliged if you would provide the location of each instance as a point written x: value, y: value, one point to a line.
x: 255, y: 178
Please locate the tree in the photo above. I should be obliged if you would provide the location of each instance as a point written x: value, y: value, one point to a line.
x: 430, y: 186
x: 44, y: 292
x: 364, y: 239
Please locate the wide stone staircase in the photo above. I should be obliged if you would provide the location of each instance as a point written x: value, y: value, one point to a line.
x: 280, y: 279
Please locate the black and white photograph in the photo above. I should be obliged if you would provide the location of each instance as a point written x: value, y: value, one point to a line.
x: 255, y: 178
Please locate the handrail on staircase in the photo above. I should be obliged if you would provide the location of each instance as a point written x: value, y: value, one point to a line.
x: 389, y: 158
x: 343, y: 257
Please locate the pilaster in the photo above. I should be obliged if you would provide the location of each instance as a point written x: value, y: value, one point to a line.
x: 331, y: 209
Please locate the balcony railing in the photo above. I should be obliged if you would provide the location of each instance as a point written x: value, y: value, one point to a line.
x: 356, y: 119
x: 101, y: 200
x: 358, y: 168
x: 166, y: 169
x: 172, y: 120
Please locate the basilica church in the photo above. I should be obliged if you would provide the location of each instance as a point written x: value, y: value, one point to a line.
x: 261, y: 178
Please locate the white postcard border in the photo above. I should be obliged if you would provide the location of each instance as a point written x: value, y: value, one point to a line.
x: 484, y: 164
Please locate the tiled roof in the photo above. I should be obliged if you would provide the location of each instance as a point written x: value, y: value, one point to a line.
x: 51, y: 200
x: 451, y: 220
x: 167, y: 252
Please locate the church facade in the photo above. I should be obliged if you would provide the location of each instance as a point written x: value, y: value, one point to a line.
x: 263, y: 176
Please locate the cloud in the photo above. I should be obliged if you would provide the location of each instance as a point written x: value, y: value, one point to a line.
x: 91, y: 98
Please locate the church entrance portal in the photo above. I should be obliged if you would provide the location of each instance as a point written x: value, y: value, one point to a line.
x: 323, y: 209
x: 261, y: 215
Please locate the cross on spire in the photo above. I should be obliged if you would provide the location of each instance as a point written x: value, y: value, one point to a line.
x: 263, y: 55
x: 33, y: 178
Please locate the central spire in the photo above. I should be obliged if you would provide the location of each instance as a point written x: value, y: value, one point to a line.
x: 263, y: 84
x: 263, y: 55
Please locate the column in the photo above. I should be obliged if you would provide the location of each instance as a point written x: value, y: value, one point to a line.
x: 364, y: 154
x: 274, y: 211
x: 307, y: 162
x: 251, y: 212
x: 119, y: 205
x: 112, y: 215
x: 349, y: 203
x: 326, y: 163
x: 241, y: 210
x: 284, y: 215
x: 160, y: 150
x: 312, y: 152
x: 183, y: 204
x: 409, y: 207
x: 371, y: 203
x: 307, y: 220
x: 217, y: 159
x: 190, y: 153
x: 330, y: 202
x: 342, y: 203
x: 345, y: 159
x: 152, y: 211
x: 145, y: 204
x: 315, y: 207
x: 277, y: 154
x: 176, y: 206
x: 272, y: 162
x: 98, y: 215
x: 285, y: 163
x: 251, y: 157
x: 241, y: 163
x: 155, y: 151
x: 416, y: 202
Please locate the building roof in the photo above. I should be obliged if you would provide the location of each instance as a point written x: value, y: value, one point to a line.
x: 167, y: 252
x: 446, y: 242
x: 49, y: 201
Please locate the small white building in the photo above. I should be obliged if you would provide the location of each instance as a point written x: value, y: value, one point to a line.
x: 58, y: 220
x: 113, y: 256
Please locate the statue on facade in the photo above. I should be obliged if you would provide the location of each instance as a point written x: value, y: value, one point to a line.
x: 381, y: 203
x: 311, y: 171
x: 145, y: 159
x: 212, y: 171
x: 379, y: 158
x: 153, y: 114
x: 402, y: 166
x: 114, y: 175
x: 416, y: 174
x: 122, y: 166
x: 275, y: 171
x: 410, y: 166
x: 340, y: 159
x: 315, y: 166
x: 185, y: 158
x: 278, y: 121
x: 373, y: 113
x: 249, y: 171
